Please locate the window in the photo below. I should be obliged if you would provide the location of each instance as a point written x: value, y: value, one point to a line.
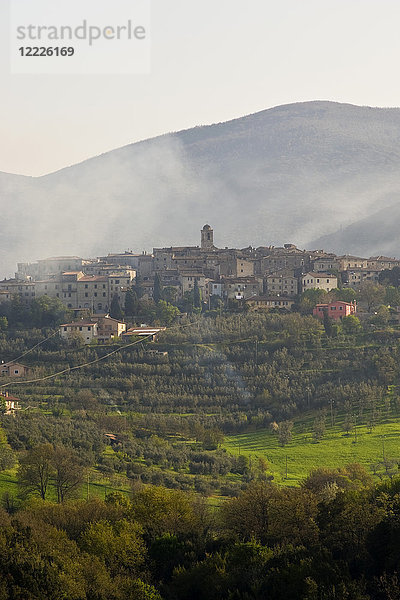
x: 86, y: 294
x: 86, y: 286
x: 80, y: 328
x: 88, y: 328
x: 65, y: 328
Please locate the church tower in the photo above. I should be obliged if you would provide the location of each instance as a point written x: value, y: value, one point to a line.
x: 207, y: 238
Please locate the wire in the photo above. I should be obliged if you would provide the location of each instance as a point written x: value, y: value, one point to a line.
x: 69, y: 369
x: 96, y: 360
x: 33, y: 347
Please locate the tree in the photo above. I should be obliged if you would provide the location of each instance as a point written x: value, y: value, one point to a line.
x: 166, y: 312
x: 351, y: 324
x: 157, y: 290
x: 327, y: 324
x: 285, y: 432
x: 213, y: 438
x: 392, y: 296
x: 196, y: 295
x: 3, y: 323
x: 381, y: 318
x: 131, y: 302
x: 68, y: 472
x: 7, y: 457
x: 48, y: 312
x: 170, y: 293
x: 344, y: 294
x: 35, y: 469
x: 115, y: 308
x: 319, y: 428
x: 310, y: 298
x: 372, y: 293
x: 390, y: 276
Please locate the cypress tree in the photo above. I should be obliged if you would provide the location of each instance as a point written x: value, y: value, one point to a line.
x: 115, y: 308
x: 196, y: 294
x: 157, y: 292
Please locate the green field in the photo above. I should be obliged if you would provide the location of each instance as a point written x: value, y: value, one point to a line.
x: 303, y: 454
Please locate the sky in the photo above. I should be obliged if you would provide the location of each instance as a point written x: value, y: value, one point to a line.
x: 211, y: 61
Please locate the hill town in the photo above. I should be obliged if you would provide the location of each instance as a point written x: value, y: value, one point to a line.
x: 261, y: 278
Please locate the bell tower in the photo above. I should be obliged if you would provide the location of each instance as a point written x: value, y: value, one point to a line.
x: 207, y: 238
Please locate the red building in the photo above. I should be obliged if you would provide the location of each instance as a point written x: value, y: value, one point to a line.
x: 335, y: 310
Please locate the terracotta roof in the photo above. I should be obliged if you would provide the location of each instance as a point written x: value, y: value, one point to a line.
x: 93, y: 278
x: 79, y: 324
x: 60, y: 258
x: 318, y: 275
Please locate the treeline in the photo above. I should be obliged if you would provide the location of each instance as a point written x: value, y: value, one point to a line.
x: 334, y: 537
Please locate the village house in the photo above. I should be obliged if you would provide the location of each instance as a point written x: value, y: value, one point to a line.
x: 237, y: 267
x: 241, y: 288
x: 5, y: 296
x: 282, y: 283
x: 335, y: 310
x: 10, y: 403
x: 216, y: 288
x: 347, y: 262
x: 13, y: 369
x: 25, y: 290
x: 257, y: 303
x: 109, y: 328
x: 86, y: 329
x: 355, y: 277
x: 320, y: 281
x: 187, y: 279
x: 47, y: 268
x: 326, y: 264
x: 379, y: 263
x: 125, y: 259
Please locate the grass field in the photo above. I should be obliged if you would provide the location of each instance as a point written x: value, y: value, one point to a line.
x: 303, y: 454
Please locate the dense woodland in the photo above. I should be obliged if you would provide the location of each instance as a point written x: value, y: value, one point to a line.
x: 150, y: 418
x: 335, y: 537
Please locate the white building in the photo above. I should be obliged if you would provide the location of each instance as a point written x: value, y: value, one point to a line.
x: 320, y: 281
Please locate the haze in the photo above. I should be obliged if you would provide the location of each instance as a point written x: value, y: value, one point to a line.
x: 210, y: 62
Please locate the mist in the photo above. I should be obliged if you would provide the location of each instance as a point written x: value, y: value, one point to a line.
x: 298, y: 173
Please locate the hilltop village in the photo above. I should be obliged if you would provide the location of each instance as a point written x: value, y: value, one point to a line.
x: 263, y: 277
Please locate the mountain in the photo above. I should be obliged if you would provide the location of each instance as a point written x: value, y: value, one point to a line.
x: 292, y: 173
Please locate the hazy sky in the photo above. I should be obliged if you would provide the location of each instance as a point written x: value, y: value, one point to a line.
x: 211, y: 61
